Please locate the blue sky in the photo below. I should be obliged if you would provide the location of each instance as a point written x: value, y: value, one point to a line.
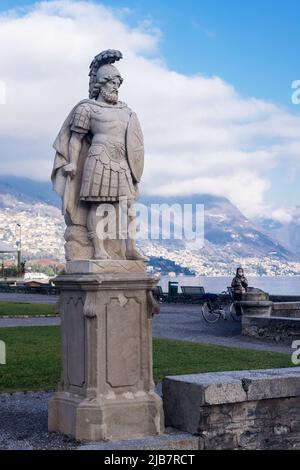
x: 252, y: 47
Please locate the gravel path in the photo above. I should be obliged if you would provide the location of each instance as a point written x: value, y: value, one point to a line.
x: 23, y: 418
x: 24, y: 426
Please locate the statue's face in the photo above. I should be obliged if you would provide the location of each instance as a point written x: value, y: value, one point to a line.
x: 240, y: 272
x: 110, y: 90
x: 110, y: 79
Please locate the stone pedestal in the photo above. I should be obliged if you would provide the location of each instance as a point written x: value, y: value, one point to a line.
x: 106, y: 390
x: 256, y: 303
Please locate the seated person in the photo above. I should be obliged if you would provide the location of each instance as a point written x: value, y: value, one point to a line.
x: 239, y: 286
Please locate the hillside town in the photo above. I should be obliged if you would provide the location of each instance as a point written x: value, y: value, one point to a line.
x: 40, y: 227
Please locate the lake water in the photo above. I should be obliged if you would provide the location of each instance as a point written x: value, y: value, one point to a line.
x: 279, y: 285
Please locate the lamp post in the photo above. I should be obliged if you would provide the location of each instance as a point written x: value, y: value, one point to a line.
x: 19, y: 249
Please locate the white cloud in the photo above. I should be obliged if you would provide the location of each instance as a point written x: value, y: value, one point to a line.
x: 200, y: 135
x: 282, y: 215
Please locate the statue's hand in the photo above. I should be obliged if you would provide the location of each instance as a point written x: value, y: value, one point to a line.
x: 70, y: 169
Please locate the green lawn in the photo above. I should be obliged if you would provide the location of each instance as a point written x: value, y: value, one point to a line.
x: 33, y: 358
x: 173, y: 357
x: 23, y: 308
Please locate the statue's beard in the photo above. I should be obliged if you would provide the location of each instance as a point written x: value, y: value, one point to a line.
x: 111, y: 97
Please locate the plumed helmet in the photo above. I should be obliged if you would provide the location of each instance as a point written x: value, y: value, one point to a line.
x: 102, y: 70
x: 108, y: 72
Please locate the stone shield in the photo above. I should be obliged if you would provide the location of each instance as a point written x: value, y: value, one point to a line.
x: 135, y: 147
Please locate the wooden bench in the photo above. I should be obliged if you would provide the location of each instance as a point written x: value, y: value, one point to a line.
x: 193, y: 293
x: 159, y: 295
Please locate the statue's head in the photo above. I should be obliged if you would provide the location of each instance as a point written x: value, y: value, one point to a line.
x: 109, y: 80
x: 105, y: 78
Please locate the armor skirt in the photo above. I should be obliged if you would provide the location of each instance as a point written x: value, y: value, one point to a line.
x: 106, y: 178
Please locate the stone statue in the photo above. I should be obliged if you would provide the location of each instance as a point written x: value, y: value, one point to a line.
x: 98, y: 165
x: 106, y: 390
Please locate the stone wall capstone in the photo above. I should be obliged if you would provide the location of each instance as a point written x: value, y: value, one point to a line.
x: 240, y: 410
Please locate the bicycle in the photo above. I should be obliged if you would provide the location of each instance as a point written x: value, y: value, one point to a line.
x: 219, y: 308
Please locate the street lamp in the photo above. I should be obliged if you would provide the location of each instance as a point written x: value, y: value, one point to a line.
x: 19, y: 249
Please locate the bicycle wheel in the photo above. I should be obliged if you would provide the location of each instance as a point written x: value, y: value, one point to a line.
x: 234, y: 315
x: 209, y: 315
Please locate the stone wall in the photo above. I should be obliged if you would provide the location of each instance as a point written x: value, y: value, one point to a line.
x: 285, y: 298
x: 237, y: 410
x: 273, y: 328
x: 286, y: 309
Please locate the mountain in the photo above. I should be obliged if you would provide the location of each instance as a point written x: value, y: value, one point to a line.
x: 28, y: 190
x: 227, y: 229
x: 287, y: 233
x: 230, y: 238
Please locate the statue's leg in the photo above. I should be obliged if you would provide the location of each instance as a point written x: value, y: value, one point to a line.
x: 98, y: 242
x: 114, y: 242
x: 131, y: 251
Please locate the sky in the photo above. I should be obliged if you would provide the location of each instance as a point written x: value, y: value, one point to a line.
x: 210, y: 80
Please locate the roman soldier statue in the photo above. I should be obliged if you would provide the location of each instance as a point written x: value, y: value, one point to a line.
x: 98, y: 165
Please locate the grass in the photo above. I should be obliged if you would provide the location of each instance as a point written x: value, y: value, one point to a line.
x: 172, y: 357
x: 26, y: 309
x: 33, y: 358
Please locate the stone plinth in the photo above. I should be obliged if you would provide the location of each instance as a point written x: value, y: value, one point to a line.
x: 93, y: 266
x: 256, y: 303
x: 106, y: 390
x: 237, y: 410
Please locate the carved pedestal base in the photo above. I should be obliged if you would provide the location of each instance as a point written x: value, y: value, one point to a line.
x: 106, y: 390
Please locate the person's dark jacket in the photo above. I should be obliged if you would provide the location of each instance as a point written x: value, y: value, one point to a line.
x: 239, y: 284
